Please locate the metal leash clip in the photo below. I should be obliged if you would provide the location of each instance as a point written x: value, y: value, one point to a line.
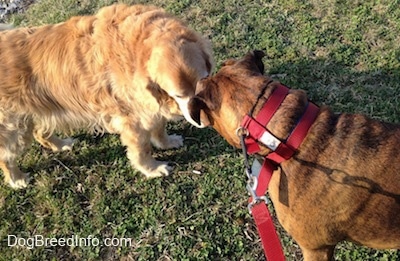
x: 251, y: 172
x: 242, y: 133
x: 252, y: 184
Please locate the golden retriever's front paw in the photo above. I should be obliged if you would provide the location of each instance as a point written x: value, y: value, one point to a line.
x: 168, y: 142
x: 64, y: 145
x: 21, y: 182
x: 161, y: 170
x: 174, y: 141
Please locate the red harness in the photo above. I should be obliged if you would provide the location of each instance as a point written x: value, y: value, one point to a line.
x: 252, y: 132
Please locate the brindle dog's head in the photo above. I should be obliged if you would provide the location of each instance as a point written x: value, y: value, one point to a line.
x: 236, y: 85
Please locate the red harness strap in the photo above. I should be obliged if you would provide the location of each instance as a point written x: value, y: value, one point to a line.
x: 257, y: 126
x: 281, y: 151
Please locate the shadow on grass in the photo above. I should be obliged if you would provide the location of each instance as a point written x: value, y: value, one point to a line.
x: 343, y: 88
x: 112, y: 202
x: 199, y: 144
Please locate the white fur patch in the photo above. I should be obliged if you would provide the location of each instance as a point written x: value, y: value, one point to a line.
x: 183, y: 105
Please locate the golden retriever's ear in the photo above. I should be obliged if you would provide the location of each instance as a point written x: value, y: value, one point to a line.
x: 209, y: 62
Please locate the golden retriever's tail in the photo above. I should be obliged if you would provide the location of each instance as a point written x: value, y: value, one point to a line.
x: 5, y: 27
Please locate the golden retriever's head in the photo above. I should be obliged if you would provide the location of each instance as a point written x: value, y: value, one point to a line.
x: 177, y: 67
x: 225, y: 98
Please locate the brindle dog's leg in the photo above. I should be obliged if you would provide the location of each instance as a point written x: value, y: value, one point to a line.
x: 322, y: 254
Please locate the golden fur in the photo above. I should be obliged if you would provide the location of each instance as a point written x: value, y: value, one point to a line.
x: 343, y: 183
x: 126, y: 70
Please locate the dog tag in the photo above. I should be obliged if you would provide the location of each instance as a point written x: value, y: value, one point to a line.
x: 256, y: 168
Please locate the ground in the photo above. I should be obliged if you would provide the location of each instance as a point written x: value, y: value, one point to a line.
x: 343, y: 53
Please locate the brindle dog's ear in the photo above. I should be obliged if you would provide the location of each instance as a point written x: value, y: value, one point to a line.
x: 228, y: 62
x: 204, y: 103
x: 197, y: 108
x: 258, y: 55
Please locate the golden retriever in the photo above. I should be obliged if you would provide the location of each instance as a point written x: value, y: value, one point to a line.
x: 126, y: 70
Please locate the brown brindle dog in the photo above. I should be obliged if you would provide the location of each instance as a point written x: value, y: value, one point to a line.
x: 343, y: 183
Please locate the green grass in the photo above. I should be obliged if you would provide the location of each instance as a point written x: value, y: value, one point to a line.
x: 344, y: 53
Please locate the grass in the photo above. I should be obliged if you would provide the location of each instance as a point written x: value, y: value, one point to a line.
x: 343, y: 53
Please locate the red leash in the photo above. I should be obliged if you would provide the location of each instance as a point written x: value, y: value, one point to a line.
x: 253, y: 131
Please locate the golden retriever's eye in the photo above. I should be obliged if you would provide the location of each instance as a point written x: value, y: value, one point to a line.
x: 179, y: 96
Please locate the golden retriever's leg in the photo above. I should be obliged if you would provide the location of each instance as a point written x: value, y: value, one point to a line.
x: 15, y: 135
x: 13, y: 176
x: 139, y: 153
x: 162, y: 140
x: 52, y: 141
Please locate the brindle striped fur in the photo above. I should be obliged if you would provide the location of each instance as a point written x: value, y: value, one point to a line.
x: 344, y: 181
